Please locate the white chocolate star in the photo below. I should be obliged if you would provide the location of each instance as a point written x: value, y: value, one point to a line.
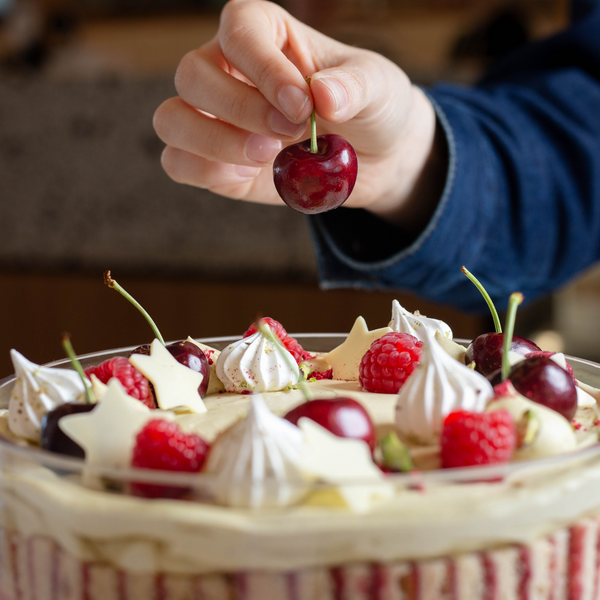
x: 341, y: 461
x: 107, y: 433
x: 174, y: 384
x: 345, y: 359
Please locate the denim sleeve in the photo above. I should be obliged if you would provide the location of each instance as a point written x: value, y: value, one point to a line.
x: 521, y: 203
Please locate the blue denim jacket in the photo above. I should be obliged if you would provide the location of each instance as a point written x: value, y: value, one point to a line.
x: 521, y: 203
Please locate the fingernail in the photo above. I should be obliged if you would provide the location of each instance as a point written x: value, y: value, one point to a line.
x: 279, y: 124
x: 246, y: 172
x: 292, y: 100
x: 262, y: 149
x: 337, y: 90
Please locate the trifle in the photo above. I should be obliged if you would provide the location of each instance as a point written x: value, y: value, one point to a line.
x: 371, y: 465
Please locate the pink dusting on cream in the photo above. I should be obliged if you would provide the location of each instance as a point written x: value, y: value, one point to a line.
x: 319, y: 375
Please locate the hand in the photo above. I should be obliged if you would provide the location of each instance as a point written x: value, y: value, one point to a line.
x: 244, y: 95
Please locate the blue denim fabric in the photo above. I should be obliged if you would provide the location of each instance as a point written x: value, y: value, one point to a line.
x: 521, y: 203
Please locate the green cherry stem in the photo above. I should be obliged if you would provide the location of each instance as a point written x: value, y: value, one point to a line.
x: 111, y: 283
x: 66, y: 344
x: 486, y: 297
x: 266, y: 331
x: 314, y: 148
x: 513, y: 302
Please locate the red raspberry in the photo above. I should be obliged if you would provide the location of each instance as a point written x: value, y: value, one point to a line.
x: 388, y: 362
x: 275, y: 326
x: 164, y: 446
x: 291, y: 344
x: 477, y: 438
x: 549, y: 354
x: 135, y: 384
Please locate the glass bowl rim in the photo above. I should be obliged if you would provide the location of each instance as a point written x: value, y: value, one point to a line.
x: 480, y: 473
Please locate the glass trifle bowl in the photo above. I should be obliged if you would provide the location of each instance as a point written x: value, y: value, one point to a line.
x: 527, y: 529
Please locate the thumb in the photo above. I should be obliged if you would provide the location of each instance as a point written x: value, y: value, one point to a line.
x: 362, y: 85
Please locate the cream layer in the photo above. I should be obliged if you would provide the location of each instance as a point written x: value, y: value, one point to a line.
x: 172, y: 536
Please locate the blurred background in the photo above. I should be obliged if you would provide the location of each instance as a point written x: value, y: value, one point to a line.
x: 82, y: 189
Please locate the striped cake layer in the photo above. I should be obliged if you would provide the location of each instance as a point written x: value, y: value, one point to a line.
x: 563, y: 566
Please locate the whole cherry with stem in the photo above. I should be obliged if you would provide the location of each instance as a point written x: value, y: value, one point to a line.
x: 52, y: 437
x: 486, y: 350
x: 184, y: 352
x: 537, y: 377
x: 317, y: 174
x: 342, y: 416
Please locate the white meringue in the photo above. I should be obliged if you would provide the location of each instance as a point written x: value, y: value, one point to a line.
x: 255, y: 364
x: 37, y: 391
x: 404, y: 321
x: 256, y: 462
x: 438, y: 386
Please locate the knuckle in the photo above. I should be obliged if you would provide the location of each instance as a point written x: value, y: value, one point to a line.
x: 187, y: 72
x: 162, y: 119
x: 169, y: 165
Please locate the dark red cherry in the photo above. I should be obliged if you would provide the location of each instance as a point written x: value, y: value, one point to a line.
x: 343, y: 417
x: 52, y: 436
x: 315, y: 182
x: 540, y: 379
x: 486, y: 351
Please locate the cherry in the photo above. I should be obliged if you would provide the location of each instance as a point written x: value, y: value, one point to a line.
x: 342, y: 416
x: 316, y: 182
x: 541, y: 380
x: 318, y: 174
x: 52, y: 436
x: 187, y: 354
x: 487, y: 349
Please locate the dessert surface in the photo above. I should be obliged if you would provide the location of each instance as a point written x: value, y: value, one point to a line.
x: 268, y: 442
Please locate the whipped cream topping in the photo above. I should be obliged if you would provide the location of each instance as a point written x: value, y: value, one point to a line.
x: 438, y: 386
x: 255, y: 364
x: 256, y: 462
x: 37, y: 391
x: 416, y: 324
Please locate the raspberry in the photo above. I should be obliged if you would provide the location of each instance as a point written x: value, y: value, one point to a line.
x: 275, y: 326
x: 549, y: 355
x: 163, y: 445
x: 135, y: 384
x: 388, y: 362
x: 291, y: 344
x: 477, y: 438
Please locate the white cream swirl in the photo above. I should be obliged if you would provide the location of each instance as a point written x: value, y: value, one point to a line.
x: 37, y: 391
x: 255, y: 364
x: 437, y: 387
x: 256, y: 461
x: 416, y: 324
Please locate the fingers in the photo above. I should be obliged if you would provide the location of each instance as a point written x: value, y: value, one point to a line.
x: 234, y: 181
x: 180, y: 126
x: 202, y: 83
x: 252, y: 36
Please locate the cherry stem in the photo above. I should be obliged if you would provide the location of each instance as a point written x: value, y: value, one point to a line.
x: 486, y: 297
x: 266, y: 331
x: 66, y: 343
x: 513, y: 302
x: 111, y: 283
x: 314, y: 148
